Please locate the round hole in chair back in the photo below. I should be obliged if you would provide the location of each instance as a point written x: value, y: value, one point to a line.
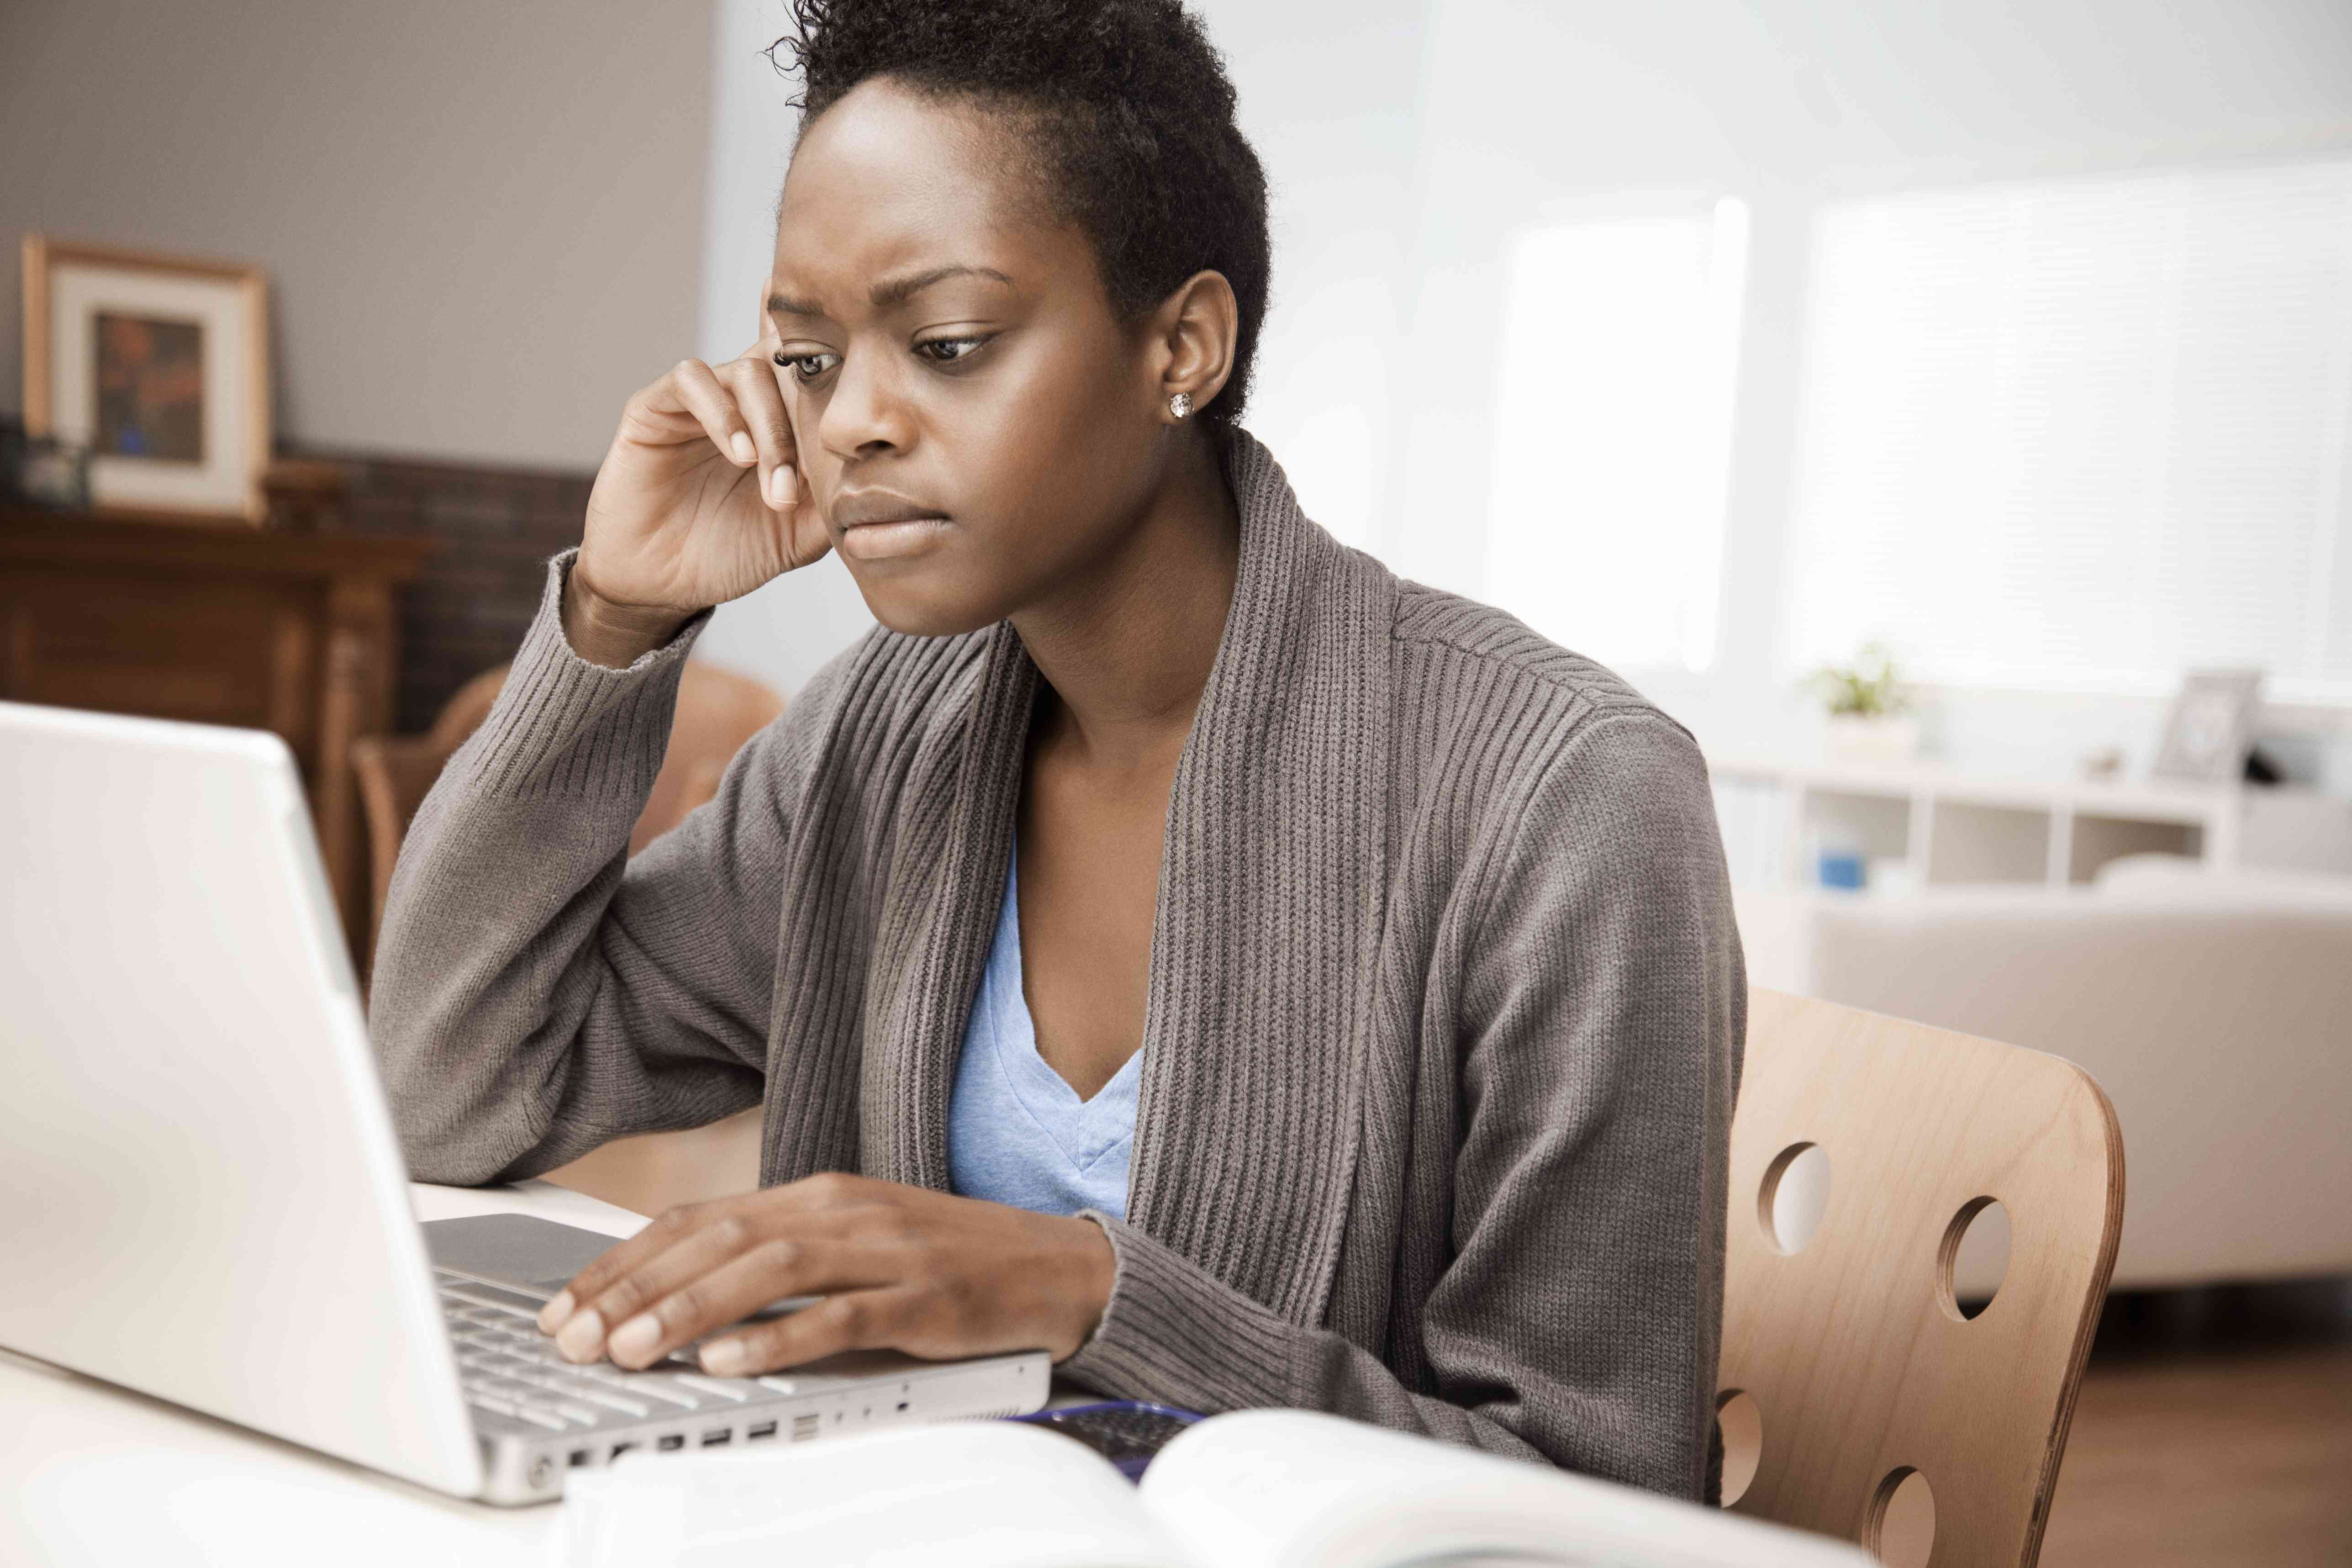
x: 1900, y: 1529
x: 1741, y: 1420
x: 1973, y: 1259
x: 1795, y: 1193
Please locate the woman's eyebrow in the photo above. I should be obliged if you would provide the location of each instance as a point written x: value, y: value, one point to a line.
x: 891, y: 291
x: 899, y: 291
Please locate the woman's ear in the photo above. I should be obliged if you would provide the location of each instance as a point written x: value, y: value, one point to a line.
x: 1194, y: 333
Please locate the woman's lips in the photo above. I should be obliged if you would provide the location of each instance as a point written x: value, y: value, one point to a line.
x: 883, y: 540
x: 877, y: 524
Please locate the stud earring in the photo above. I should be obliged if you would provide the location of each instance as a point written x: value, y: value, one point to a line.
x: 1180, y: 405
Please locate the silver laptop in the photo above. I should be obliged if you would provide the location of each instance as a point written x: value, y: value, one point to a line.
x: 205, y: 1198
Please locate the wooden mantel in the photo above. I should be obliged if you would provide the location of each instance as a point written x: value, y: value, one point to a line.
x: 270, y: 629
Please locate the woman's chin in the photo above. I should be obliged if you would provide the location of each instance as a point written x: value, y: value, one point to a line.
x: 920, y: 605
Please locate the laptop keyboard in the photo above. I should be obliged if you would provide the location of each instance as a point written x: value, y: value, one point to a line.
x: 508, y: 1368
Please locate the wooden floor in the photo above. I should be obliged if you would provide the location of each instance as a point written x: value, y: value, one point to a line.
x: 2214, y: 1429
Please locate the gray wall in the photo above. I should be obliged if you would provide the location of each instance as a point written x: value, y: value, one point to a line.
x: 483, y: 221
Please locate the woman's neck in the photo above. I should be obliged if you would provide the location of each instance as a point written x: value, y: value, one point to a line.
x: 1127, y: 649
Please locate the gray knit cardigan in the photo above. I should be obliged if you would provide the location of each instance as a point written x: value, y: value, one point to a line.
x: 1443, y: 1024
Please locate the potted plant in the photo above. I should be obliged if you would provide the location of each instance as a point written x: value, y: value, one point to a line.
x: 1870, y: 717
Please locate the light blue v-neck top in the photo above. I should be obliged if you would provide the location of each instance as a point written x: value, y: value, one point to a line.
x: 1017, y: 1132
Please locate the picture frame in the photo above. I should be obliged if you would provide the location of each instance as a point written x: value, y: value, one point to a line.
x: 2211, y: 728
x: 158, y: 364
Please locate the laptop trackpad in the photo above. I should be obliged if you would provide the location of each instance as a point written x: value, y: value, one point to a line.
x: 536, y: 1256
x: 514, y: 1249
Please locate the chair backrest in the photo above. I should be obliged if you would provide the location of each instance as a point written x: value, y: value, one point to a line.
x: 1862, y: 1363
x: 718, y: 711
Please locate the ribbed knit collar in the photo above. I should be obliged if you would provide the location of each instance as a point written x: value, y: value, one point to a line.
x: 1267, y: 927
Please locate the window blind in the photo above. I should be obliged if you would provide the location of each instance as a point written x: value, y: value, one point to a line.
x: 2082, y: 434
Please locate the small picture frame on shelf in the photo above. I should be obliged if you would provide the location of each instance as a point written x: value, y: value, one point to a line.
x: 159, y: 366
x: 2211, y: 728
x: 40, y: 471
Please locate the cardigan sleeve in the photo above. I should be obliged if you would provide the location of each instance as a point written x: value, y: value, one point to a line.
x: 537, y: 991
x: 1599, y: 1033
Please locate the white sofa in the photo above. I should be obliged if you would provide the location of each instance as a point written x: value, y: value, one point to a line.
x: 2215, y: 1011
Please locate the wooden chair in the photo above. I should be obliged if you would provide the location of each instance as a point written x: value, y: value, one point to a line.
x: 718, y: 711
x: 1858, y: 1355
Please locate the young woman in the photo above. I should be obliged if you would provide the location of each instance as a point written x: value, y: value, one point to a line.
x: 1169, y: 938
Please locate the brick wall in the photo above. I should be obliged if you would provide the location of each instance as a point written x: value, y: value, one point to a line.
x: 468, y: 609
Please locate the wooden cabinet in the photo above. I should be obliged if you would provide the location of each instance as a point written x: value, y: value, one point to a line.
x: 283, y: 631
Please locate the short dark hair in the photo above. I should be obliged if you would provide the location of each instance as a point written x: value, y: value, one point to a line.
x: 1127, y: 105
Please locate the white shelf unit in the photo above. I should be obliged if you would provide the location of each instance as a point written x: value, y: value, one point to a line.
x: 1946, y: 829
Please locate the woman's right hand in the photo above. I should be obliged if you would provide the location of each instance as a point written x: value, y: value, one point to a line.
x: 698, y: 500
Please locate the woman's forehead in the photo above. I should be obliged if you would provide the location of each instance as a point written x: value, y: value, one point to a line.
x: 887, y: 183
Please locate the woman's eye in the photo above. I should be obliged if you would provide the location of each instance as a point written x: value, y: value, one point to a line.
x: 808, y: 367
x: 946, y: 351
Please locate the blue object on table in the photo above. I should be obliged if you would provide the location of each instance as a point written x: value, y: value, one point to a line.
x: 1841, y: 868
x: 1127, y: 1432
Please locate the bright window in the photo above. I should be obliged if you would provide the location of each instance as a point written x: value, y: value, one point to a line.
x: 1613, y: 432
x: 2082, y: 434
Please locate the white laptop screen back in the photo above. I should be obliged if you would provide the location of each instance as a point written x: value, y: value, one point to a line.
x: 204, y: 1198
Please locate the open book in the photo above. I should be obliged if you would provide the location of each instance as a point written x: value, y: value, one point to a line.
x: 1252, y: 1489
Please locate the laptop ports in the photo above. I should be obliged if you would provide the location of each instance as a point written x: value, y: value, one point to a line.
x: 675, y: 1440
x: 713, y: 1439
x: 765, y: 1430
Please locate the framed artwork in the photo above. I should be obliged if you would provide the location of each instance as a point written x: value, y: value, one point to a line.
x: 2211, y: 727
x: 160, y: 366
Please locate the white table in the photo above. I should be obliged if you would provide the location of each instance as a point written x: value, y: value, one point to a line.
x: 93, y: 1473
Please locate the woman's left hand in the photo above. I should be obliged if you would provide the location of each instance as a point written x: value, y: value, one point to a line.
x: 898, y: 1268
